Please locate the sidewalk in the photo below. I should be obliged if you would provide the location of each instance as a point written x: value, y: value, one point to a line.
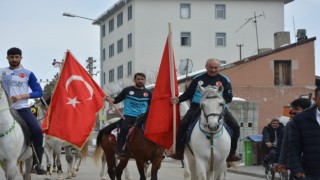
x: 255, y: 171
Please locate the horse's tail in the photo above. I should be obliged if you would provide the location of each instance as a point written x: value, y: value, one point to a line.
x: 84, y: 150
x: 98, y: 151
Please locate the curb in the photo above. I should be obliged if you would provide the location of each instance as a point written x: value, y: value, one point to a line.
x: 237, y: 171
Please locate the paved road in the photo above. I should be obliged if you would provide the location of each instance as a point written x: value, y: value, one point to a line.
x: 170, y: 169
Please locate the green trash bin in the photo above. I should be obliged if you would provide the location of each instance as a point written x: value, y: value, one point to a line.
x: 247, y: 153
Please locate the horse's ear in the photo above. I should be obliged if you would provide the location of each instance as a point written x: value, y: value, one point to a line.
x: 220, y: 89
x: 201, y: 89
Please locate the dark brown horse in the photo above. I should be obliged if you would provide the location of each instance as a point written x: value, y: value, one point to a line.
x: 137, y: 147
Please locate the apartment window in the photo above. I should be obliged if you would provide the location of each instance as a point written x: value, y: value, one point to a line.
x: 103, y: 30
x: 185, y: 39
x: 111, y: 25
x: 103, y: 54
x: 120, y: 72
x: 129, y: 12
x: 220, y: 11
x: 111, y: 75
x: 120, y: 46
x: 119, y: 19
x: 223, y: 62
x: 221, y: 39
x: 185, y: 11
x: 129, y: 68
x: 130, y: 40
x: 282, y: 73
x: 104, y: 78
x: 111, y: 50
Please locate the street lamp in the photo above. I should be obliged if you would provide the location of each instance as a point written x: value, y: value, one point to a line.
x: 73, y: 15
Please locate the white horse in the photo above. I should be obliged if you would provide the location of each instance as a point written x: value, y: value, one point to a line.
x: 74, y: 158
x: 210, y: 143
x: 13, y: 146
x: 52, y: 149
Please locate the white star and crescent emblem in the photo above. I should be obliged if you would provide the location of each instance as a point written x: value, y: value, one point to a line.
x: 73, y: 101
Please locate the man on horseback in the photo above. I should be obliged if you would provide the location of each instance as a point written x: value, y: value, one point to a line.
x: 136, y: 102
x: 17, y: 81
x: 213, y: 78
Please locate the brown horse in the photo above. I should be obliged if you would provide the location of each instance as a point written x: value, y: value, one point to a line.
x: 137, y: 147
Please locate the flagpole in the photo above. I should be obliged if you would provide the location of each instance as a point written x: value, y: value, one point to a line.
x: 117, y: 110
x: 172, y: 80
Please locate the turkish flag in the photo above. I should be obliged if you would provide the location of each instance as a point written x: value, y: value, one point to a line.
x: 76, y: 100
x: 159, y: 126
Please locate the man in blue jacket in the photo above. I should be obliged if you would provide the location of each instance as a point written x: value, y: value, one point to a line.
x: 304, y: 142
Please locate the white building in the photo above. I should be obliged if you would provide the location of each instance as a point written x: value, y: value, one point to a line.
x: 133, y: 34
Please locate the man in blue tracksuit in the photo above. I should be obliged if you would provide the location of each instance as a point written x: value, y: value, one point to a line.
x: 17, y: 82
x: 211, y: 77
x: 136, y: 102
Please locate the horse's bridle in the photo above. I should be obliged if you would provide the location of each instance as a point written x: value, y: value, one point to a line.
x: 220, y: 120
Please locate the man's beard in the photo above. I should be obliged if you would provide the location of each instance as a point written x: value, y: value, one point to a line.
x: 140, y: 85
x: 14, y: 64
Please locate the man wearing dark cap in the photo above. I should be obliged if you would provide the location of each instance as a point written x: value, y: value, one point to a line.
x: 272, y: 135
x: 17, y: 82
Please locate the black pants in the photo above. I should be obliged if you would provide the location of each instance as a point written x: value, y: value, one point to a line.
x: 126, y: 124
x: 233, y: 124
x: 36, y: 132
x: 188, y: 119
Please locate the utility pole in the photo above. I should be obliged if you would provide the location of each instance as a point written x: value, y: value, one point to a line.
x: 254, y: 20
x: 90, y: 66
x: 240, y: 45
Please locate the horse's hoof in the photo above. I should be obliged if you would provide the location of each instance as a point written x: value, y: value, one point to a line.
x: 68, y: 177
x: 74, y: 174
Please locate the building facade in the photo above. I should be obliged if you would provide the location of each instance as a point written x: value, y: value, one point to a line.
x: 133, y: 34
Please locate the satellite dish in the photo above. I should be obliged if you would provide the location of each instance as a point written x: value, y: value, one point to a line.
x: 185, y: 66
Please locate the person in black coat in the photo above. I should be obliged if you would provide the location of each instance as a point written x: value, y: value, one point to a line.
x: 304, y: 142
x: 272, y: 135
x: 297, y: 106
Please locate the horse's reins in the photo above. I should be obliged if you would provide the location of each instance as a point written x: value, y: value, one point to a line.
x: 212, y: 134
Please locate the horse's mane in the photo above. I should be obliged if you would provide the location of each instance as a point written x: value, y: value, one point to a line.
x: 18, y: 118
x: 211, y: 92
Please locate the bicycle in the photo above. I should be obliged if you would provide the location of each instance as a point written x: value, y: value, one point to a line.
x: 271, y: 169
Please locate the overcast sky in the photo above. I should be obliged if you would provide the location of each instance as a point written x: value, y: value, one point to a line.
x: 43, y: 34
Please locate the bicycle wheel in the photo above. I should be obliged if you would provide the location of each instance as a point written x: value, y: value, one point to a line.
x: 269, y: 172
x: 284, y: 175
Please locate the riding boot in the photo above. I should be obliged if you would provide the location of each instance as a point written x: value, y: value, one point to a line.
x: 120, y: 143
x: 38, y: 157
x: 233, y: 124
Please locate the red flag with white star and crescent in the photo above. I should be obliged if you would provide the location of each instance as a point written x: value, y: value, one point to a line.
x: 76, y: 100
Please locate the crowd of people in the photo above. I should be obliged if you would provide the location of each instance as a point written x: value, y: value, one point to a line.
x: 295, y: 146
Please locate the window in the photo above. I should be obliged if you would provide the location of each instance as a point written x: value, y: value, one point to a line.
x: 111, y: 75
x: 130, y: 40
x: 103, y: 54
x: 282, y: 73
x: 120, y: 72
x: 103, y: 30
x: 104, y: 78
x: 223, y: 62
x: 221, y: 39
x: 129, y: 12
x: 120, y: 46
x: 129, y: 68
x: 119, y: 19
x: 220, y: 11
x: 111, y: 25
x: 111, y: 50
x: 185, y: 39
x: 185, y: 11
